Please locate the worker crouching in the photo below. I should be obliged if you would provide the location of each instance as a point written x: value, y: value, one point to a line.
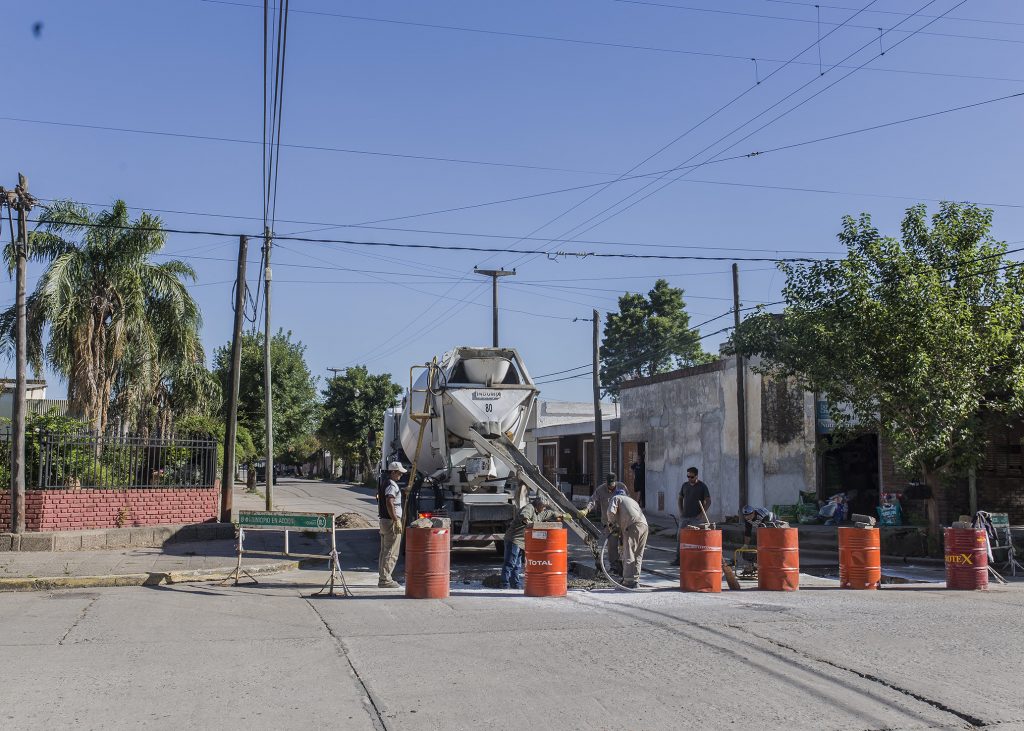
x: 515, y: 540
x: 627, y: 519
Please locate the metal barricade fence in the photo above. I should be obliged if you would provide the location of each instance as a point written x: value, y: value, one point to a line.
x: 55, y: 461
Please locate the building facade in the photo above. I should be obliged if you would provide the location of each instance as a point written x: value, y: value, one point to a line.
x: 689, y: 417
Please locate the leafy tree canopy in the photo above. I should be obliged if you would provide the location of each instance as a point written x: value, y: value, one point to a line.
x: 920, y: 337
x: 354, y: 404
x: 648, y: 335
x: 296, y: 409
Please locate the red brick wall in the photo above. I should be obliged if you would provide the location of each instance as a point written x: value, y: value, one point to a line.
x: 54, y: 510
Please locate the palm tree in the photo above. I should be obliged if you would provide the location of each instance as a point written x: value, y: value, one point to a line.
x: 119, y: 324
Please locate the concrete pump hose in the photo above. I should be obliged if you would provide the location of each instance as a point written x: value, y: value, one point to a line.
x: 604, y: 570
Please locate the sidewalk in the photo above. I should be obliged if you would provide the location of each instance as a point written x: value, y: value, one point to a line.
x: 192, y: 561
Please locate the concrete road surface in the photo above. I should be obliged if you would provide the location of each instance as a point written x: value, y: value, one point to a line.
x: 270, y: 656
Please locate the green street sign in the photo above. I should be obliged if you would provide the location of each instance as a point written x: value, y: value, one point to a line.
x: 258, y: 519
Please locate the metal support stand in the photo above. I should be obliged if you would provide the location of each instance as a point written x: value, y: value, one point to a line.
x: 336, y: 574
x: 236, y: 574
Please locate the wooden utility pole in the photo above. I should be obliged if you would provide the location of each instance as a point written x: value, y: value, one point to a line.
x: 227, y: 482
x: 598, y: 426
x: 494, y: 274
x: 19, y: 199
x: 741, y: 393
x: 268, y: 395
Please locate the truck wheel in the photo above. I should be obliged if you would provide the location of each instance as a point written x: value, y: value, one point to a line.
x: 499, y: 548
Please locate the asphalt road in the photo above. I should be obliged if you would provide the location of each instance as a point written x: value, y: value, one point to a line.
x: 269, y: 655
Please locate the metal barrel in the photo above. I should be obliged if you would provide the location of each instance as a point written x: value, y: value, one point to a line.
x: 427, y: 562
x: 700, y: 560
x: 966, y: 558
x: 860, y: 558
x: 547, y: 562
x: 778, y: 559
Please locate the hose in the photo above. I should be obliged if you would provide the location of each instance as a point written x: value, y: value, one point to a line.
x: 600, y: 562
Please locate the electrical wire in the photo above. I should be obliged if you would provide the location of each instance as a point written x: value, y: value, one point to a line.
x: 895, y: 12
x: 718, y: 156
x: 806, y: 20
x: 745, y: 58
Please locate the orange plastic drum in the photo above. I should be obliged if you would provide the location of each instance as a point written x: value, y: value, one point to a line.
x: 700, y: 560
x: 778, y: 559
x: 860, y: 558
x: 427, y: 562
x: 547, y: 562
x: 966, y: 558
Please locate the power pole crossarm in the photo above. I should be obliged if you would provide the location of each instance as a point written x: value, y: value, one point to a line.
x: 494, y: 274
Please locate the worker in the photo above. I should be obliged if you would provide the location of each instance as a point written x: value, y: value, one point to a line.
x: 629, y: 522
x: 755, y: 518
x: 694, y: 501
x: 515, y: 540
x: 601, y: 497
x: 389, y: 510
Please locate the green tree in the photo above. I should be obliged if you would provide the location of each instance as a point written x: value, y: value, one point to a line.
x: 296, y: 409
x: 354, y: 404
x: 920, y: 337
x: 121, y: 326
x: 648, y: 335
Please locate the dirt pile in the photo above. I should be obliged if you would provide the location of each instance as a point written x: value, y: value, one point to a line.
x: 351, y: 520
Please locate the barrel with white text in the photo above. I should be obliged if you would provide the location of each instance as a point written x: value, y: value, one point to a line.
x: 547, y: 560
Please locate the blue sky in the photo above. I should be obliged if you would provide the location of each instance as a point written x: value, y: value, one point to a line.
x: 593, y: 111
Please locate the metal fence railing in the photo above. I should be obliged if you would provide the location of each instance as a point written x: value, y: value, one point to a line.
x: 56, y: 461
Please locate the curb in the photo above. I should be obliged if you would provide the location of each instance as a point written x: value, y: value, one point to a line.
x: 155, y: 578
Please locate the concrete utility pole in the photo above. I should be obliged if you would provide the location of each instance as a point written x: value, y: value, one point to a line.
x: 494, y: 274
x: 741, y: 392
x: 335, y: 371
x: 20, y: 200
x: 268, y: 395
x: 227, y: 483
x: 598, y: 426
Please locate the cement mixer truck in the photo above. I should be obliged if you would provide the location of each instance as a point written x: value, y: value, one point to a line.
x: 462, y: 425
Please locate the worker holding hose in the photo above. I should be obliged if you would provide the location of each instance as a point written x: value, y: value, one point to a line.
x: 601, y: 497
x: 628, y: 520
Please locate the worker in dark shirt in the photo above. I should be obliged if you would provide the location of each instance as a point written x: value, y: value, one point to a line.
x: 515, y: 540
x: 694, y: 501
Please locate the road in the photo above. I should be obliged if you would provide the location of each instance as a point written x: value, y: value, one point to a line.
x: 269, y: 655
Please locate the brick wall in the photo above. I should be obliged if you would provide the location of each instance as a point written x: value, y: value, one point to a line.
x: 56, y: 510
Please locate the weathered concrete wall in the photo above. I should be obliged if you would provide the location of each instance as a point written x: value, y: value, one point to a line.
x: 690, y: 418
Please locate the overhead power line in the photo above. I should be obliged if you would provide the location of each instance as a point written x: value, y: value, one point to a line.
x: 450, y: 247
x: 743, y: 58
x: 895, y: 12
x: 810, y: 20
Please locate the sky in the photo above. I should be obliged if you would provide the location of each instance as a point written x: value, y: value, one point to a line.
x: 554, y: 95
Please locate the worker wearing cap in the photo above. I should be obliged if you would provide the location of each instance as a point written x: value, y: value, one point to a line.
x: 389, y: 509
x: 515, y: 540
x: 755, y: 518
x: 601, y: 497
x: 628, y: 520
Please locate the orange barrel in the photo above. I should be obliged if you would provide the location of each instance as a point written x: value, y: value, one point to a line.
x: 547, y: 562
x: 700, y: 560
x: 966, y: 558
x: 860, y: 558
x: 427, y: 562
x: 778, y: 559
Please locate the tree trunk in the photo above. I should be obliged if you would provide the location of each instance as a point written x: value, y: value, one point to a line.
x: 932, y: 478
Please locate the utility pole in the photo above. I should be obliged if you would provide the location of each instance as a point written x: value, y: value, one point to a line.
x: 741, y: 392
x: 227, y: 482
x: 335, y: 371
x: 598, y: 426
x: 268, y: 395
x: 20, y: 199
x: 494, y: 274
